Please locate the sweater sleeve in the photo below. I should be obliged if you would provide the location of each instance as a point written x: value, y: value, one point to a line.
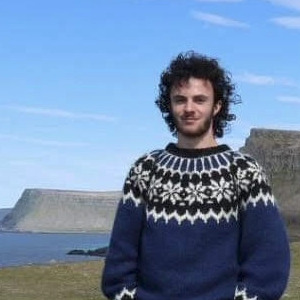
x: 119, y: 278
x: 264, y: 256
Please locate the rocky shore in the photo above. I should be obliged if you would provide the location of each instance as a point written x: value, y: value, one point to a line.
x: 101, y: 252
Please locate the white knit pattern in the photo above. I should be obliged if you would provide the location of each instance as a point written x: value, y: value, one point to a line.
x: 125, y: 292
x: 211, y: 214
x: 241, y: 294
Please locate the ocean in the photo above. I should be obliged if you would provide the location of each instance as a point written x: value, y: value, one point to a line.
x: 17, y: 249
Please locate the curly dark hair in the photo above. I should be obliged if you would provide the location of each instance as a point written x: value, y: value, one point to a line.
x: 191, y: 64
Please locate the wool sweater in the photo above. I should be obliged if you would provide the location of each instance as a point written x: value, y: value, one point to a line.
x: 197, y: 224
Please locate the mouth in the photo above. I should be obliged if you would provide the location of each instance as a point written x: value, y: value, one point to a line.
x: 189, y: 119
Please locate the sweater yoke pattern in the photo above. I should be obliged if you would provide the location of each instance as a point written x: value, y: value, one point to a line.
x: 212, y: 187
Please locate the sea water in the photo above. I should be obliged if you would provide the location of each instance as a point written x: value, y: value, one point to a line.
x: 18, y: 249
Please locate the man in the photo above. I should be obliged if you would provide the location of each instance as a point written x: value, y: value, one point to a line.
x: 197, y: 220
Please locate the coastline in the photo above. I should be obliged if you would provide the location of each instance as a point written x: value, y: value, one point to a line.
x: 20, y: 248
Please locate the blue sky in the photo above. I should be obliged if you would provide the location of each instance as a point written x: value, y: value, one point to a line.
x: 78, y: 81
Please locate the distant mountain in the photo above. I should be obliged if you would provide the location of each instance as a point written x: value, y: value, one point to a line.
x: 46, y: 210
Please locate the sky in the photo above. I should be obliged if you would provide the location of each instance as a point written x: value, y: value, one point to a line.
x: 78, y: 81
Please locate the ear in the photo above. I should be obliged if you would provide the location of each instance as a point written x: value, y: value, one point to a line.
x: 217, y: 107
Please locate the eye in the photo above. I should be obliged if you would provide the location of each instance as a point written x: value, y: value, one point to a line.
x: 199, y: 100
x: 178, y: 100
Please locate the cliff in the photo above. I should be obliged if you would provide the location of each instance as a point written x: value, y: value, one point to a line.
x: 44, y: 210
x: 278, y: 151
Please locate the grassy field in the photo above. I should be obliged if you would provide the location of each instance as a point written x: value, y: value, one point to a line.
x: 80, y: 281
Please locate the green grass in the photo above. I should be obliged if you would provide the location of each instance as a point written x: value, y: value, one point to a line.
x: 72, y: 281
x: 80, y: 281
x: 293, y: 289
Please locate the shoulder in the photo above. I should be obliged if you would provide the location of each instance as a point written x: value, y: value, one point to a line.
x: 249, y: 170
x: 147, y: 159
x: 245, y: 161
x: 254, y: 184
x: 144, y: 164
x: 139, y: 174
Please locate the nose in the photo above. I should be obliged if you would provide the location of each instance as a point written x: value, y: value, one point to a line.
x: 189, y: 106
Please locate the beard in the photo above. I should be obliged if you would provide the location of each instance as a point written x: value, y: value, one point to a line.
x: 196, y: 132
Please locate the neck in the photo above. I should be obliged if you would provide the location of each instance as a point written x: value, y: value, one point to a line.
x: 197, y: 142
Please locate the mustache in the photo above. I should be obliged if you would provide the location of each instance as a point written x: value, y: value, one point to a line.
x: 189, y: 116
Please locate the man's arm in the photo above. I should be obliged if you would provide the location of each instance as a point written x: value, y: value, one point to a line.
x: 119, y: 280
x: 264, y: 249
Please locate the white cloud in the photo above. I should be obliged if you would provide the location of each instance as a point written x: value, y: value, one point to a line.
x: 288, y: 22
x: 293, y: 4
x: 256, y: 79
x: 59, y: 113
x: 217, y: 20
x: 264, y: 80
x: 41, y: 142
x: 289, y: 99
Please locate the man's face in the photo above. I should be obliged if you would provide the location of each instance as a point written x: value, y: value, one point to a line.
x: 193, y: 107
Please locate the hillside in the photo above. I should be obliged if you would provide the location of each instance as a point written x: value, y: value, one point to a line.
x: 44, y: 210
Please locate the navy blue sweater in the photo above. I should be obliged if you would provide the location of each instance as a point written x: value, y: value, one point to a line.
x: 197, y: 224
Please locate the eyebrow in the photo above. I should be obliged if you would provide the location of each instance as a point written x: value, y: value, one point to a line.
x: 179, y: 96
